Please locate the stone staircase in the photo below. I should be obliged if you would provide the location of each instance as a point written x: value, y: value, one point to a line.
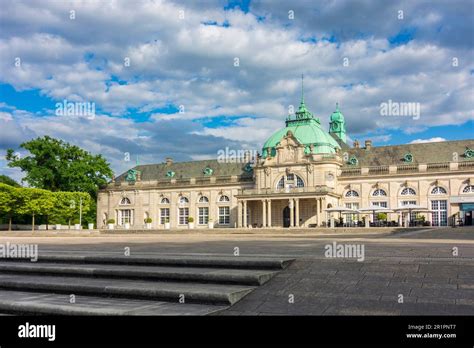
x: 119, y: 285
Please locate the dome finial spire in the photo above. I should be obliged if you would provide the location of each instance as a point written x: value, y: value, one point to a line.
x: 302, y: 89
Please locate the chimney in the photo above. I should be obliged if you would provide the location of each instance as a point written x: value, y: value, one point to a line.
x: 356, y: 144
x: 368, y: 144
x: 169, y: 161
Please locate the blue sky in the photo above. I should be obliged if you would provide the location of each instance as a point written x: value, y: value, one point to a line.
x: 164, y: 82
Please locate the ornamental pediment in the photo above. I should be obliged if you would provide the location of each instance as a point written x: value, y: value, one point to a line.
x: 289, y: 150
x: 289, y: 140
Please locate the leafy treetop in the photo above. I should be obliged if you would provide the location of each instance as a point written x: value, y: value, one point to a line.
x: 59, y: 166
x: 9, y: 181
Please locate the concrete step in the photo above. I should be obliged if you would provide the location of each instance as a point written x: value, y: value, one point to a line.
x: 120, y: 285
x: 165, y: 273
x: 222, y: 294
x: 31, y: 303
x: 236, y: 262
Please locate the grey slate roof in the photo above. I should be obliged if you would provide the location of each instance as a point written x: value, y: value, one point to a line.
x: 186, y: 170
x: 376, y: 156
x: 422, y: 153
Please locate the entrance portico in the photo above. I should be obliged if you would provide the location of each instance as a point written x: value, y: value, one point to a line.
x: 275, y: 211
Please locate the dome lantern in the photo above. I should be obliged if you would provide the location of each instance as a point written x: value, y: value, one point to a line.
x: 306, y: 129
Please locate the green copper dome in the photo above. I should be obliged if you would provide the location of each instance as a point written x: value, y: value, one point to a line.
x: 307, y: 133
x: 307, y: 130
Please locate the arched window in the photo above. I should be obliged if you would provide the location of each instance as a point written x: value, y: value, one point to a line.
x: 281, y: 183
x: 408, y: 191
x: 125, y: 201
x: 203, y: 199
x: 291, y: 179
x: 438, y: 190
x: 224, y: 198
x: 379, y: 192
x: 299, y: 182
x: 165, y: 201
x: 183, y: 200
x: 468, y: 189
x: 352, y: 193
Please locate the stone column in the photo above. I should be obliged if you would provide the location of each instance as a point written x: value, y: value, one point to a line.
x: 292, y: 213
x: 297, y: 208
x: 269, y: 222
x: 264, y: 213
x: 239, y: 214
x: 245, y: 214
x: 322, y: 207
x: 318, y: 215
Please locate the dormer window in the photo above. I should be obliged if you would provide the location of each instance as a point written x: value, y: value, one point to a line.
x: 408, y: 158
x: 208, y: 171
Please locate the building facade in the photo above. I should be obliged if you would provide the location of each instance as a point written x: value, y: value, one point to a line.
x: 302, y: 171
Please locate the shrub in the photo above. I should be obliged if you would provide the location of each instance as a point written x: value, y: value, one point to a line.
x: 148, y: 220
x: 190, y: 219
x: 111, y: 221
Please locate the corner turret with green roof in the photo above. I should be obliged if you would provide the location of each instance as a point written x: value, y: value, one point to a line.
x: 337, y: 124
x: 306, y: 129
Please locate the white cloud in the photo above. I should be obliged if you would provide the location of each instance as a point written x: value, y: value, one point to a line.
x: 431, y: 140
x: 177, y: 62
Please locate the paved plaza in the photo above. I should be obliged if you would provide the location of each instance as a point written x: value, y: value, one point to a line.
x: 423, y: 272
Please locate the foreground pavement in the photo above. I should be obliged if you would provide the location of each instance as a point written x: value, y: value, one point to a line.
x: 424, y: 272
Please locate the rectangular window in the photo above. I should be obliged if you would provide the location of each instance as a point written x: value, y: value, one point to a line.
x: 183, y: 216
x: 413, y: 214
x: 224, y: 215
x: 164, y: 215
x: 439, y: 217
x: 203, y: 215
x: 351, y: 217
x: 379, y: 204
x: 125, y: 217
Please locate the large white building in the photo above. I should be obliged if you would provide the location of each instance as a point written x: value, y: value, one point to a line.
x: 303, y: 170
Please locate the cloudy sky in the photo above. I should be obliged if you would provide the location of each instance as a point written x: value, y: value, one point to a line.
x: 185, y: 79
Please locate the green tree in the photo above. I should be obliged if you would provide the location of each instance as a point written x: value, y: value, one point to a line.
x: 35, y: 202
x: 8, y: 202
x: 68, y: 206
x: 59, y: 166
x: 9, y: 181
